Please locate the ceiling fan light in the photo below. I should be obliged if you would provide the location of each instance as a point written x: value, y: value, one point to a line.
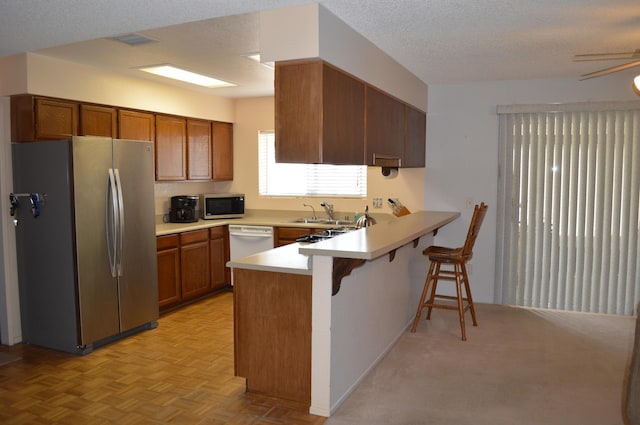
x: 636, y: 84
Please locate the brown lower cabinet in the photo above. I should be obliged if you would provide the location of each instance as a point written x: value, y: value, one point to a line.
x: 191, y: 265
x: 168, y: 252
x: 194, y: 263
x: 287, y: 235
x: 272, y: 327
x: 219, y: 252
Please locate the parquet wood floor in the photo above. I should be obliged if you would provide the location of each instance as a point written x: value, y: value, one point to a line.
x: 179, y: 373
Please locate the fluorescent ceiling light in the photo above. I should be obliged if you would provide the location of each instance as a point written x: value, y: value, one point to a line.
x: 256, y: 58
x: 170, y: 71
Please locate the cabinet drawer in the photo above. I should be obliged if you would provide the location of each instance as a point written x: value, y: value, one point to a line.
x: 194, y: 236
x: 166, y: 242
x: 292, y: 232
x: 216, y: 232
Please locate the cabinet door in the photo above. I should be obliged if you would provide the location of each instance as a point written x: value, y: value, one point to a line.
x: 218, y: 272
x: 199, y: 146
x: 343, y: 118
x: 195, y: 273
x: 168, y: 270
x: 385, y: 125
x: 55, y: 119
x: 222, y: 151
x: 219, y: 251
x: 415, y: 138
x: 287, y: 235
x: 171, y: 148
x: 136, y: 125
x: 298, y: 101
x: 38, y: 118
x: 98, y: 121
x: 168, y: 277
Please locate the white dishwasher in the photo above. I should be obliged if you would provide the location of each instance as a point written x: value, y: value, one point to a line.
x: 248, y: 240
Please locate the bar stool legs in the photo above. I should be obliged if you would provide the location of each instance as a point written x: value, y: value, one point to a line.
x: 457, y: 258
x: 463, y: 303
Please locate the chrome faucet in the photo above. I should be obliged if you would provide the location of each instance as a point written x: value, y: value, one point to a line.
x: 312, y: 209
x: 328, y: 208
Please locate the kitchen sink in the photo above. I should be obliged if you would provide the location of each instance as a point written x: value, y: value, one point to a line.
x: 324, y: 221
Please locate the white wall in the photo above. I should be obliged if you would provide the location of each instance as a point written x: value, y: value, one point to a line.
x: 462, y: 146
x: 319, y: 33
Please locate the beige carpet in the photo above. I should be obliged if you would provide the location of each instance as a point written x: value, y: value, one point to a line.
x: 519, y: 366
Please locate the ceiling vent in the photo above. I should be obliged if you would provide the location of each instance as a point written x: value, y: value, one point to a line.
x: 133, y: 39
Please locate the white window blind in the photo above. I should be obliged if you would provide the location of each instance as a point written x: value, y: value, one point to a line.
x: 279, y: 179
x: 568, y: 202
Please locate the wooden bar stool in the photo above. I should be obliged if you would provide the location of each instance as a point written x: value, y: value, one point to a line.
x: 456, y: 258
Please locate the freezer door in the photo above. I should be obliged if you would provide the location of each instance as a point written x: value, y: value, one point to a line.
x: 97, y: 289
x: 138, y: 271
x: 46, y: 246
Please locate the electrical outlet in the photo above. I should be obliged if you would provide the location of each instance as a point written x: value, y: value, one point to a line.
x: 470, y: 203
x: 377, y: 202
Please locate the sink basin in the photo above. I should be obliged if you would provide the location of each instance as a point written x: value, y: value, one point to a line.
x: 323, y: 221
x: 309, y: 220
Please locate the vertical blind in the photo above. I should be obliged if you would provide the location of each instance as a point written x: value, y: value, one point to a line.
x: 281, y: 179
x: 568, y: 202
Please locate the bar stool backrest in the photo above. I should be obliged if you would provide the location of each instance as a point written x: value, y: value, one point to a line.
x: 474, y: 228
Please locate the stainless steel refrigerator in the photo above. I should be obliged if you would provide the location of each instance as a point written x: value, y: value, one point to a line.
x: 86, y: 249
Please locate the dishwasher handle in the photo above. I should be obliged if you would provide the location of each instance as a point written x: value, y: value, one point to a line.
x: 251, y: 231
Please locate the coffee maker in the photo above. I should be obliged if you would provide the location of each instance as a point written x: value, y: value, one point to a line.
x: 183, y: 209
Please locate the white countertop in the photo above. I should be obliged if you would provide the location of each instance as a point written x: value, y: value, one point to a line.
x: 283, y: 259
x: 368, y: 243
x: 381, y: 238
x: 254, y: 218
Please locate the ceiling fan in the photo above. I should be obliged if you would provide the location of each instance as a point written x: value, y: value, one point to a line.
x: 633, y: 57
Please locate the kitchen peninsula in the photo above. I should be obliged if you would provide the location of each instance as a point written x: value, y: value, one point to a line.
x: 311, y: 320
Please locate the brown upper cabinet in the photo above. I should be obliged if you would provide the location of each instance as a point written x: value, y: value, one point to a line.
x: 415, y: 138
x: 385, y: 126
x: 136, y: 125
x: 325, y: 115
x: 98, y: 121
x: 171, y: 144
x: 190, y: 149
x: 222, y: 148
x: 186, y: 148
x: 38, y: 118
x: 199, y: 145
x: 319, y: 114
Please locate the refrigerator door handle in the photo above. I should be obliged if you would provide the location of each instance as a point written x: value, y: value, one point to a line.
x: 112, y: 222
x: 119, y: 264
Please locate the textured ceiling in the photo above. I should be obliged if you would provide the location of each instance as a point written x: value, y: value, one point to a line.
x: 440, y: 41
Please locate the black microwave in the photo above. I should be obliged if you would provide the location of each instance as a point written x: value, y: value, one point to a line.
x: 222, y: 205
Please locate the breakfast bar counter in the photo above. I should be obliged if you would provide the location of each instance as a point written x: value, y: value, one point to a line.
x: 301, y: 336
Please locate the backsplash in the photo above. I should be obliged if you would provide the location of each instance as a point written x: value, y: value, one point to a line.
x: 164, y: 192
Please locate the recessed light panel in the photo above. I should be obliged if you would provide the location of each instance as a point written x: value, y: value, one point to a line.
x: 170, y: 71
